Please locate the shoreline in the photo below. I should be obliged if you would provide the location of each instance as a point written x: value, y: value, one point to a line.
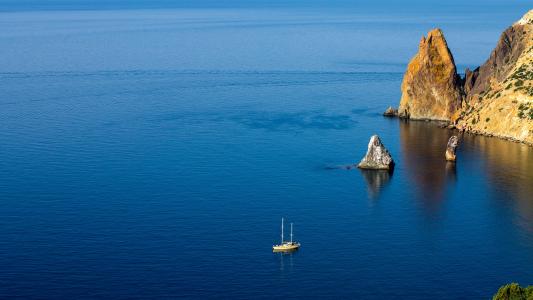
x: 443, y: 124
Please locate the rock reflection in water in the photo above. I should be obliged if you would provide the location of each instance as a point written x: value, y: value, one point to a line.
x: 508, y: 167
x: 423, y: 147
x: 376, y: 181
x: 451, y: 171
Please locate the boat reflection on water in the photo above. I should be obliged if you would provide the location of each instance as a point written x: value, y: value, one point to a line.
x: 286, y: 259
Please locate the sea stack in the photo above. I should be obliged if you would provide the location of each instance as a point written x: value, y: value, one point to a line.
x: 390, y: 112
x: 494, y: 99
x: 450, y: 148
x: 431, y: 87
x: 377, y: 156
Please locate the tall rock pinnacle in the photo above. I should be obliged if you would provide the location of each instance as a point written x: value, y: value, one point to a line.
x: 431, y: 88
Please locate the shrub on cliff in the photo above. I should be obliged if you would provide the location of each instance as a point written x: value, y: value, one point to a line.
x: 514, y: 292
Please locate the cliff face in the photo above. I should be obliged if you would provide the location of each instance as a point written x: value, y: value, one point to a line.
x: 500, y: 100
x: 502, y: 59
x: 431, y: 87
x: 495, y: 99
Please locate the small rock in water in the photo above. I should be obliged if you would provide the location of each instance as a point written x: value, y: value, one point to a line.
x: 450, y: 148
x: 377, y: 157
x: 390, y: 112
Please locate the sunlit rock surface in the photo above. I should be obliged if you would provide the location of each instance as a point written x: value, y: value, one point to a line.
x: 499, y: 100
x: 495, y: 99
x: 431, y: 88
x: 377, y: 156
x: 453, y: 142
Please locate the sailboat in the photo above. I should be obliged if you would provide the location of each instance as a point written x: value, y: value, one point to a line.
x: 285, y: 246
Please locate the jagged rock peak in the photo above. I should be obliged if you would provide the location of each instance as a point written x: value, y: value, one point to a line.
x: 377, y: 156
x: 526, y: 19
x: 436, y: 34
x: 435, y: 48
x: 431, y: 87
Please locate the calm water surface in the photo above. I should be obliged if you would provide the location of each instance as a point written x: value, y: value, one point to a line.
x: 149, y: 154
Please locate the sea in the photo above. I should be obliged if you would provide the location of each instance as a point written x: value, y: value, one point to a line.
x: 151, y: 152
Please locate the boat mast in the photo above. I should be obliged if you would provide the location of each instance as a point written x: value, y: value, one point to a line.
x: 282, y: 230
x: 291, y: 233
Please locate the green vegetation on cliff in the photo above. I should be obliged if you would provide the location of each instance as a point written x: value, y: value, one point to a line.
x: 514, y: 292
x: 525, y: 111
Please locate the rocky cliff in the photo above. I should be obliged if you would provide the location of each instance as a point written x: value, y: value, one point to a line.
x: 500, y: 100
x: 495, y: 99
x: 431, y: 88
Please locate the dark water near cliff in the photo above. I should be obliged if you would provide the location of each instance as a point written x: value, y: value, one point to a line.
x: 152, y: 154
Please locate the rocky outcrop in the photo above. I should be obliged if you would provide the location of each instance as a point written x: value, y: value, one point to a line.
x: 431, y: 87
x: 470, y: 80
x: 453, y: 142
x: 500, y: 100
x: 390, y: 112
x: 377, y: 156
x: 495, y: 99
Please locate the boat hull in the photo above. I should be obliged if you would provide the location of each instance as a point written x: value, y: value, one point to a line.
x: 285, y: 247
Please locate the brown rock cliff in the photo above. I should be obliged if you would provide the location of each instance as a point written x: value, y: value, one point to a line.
x: 495, y: 99
x: 431, y: 88
x: 499, y: 101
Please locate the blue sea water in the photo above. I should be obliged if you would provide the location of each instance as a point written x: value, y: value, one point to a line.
x: 151, y: 153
